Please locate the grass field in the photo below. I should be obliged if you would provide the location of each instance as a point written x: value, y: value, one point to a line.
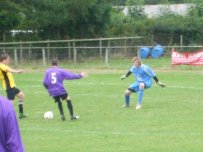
x: 169, y: 121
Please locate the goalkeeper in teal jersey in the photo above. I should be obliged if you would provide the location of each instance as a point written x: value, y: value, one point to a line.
x: 143, y: 75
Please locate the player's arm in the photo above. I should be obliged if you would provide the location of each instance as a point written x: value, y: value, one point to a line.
x: 158, y: 82
x: 84, y: 74
x: 126, y: 75
x: 151, y: 73
x: 71, y: 76
x: 14, y: 70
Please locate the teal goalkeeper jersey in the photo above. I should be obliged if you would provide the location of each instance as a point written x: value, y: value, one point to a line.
x: 143, y: 73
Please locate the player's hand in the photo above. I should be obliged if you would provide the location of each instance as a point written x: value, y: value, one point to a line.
x: 19, y: 71
x: 84, y: 74
x: 123, y: 77
x: 161, y: 84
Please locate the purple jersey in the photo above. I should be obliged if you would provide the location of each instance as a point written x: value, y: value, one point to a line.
x: 53, y: 80
x: 10, y: 140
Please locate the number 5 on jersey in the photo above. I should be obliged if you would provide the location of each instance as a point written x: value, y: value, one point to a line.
x: 53, y: 78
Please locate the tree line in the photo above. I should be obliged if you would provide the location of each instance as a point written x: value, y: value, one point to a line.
x: 69, y: 19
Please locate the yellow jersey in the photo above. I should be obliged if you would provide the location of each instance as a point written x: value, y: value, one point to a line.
x: 6, y: 77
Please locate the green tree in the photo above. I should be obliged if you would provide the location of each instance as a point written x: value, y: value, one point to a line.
x: 117, y: 2
x: 59, y: 19
x: 10, y: 17
x: 136, y: 8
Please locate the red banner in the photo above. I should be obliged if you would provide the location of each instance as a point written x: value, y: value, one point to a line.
x: 188, y: 58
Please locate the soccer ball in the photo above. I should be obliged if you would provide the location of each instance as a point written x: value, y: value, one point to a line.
x: 48, y: 115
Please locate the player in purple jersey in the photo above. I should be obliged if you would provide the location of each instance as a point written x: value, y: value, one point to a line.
x: 53, y: 82
x: 143, y: 75
x: 10, y: 139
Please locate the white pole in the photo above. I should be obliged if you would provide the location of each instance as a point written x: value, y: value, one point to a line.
x: 21, y: 53
x: 106, y: 56
x: 100, y: 48
x: 74, y: 54
x: 15, y: 57
x: 44, y: 57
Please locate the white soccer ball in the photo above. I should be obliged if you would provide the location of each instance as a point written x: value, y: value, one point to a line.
x: 48, y: 115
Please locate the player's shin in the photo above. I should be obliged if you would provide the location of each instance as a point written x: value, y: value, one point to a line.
x: 20, y: 106
x: 70, y: 107
x: 60, y: 107
x: 140, y: 96
x: 127, y: 100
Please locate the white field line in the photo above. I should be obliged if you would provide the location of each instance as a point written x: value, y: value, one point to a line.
x: 117, y: 84
x: 116, y: 133
x: 76, y: 131
x: 89, y: 83
x: 185, y: 87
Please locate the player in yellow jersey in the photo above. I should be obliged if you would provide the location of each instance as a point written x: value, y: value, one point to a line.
x: 8, y: 83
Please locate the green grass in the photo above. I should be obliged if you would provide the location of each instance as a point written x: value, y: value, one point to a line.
x: 169, y: 121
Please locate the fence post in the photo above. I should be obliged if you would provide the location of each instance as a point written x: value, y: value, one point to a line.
x: 74, y: 53
x: 15, y: 57
x: 29, y: 52
x: 181, y: 40
x: 106, y: 56
x: 100, y: 47
x: 48, y: 50
x: 69, y: 51
x: 21, y: 52
x: 44, y: 57
x: 107, y: 50
x: 125, y: 45
x: 137, y: 51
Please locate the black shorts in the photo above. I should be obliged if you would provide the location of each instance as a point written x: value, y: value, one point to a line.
x: 132, y: 90
x: 60, y: 97
x: 12, y: 92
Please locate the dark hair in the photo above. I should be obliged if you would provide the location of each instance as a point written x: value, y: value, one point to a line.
x: 4, y: 57
x: 54, y: 62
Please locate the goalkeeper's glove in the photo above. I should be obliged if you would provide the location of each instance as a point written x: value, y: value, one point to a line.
x: 123, y: 77
x: 161, y: 84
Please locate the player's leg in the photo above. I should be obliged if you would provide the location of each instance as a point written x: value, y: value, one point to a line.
x: 140, y: 95
x: 142, y: 86
x: 20, y: 96
x: 10, y: 95
x: 70, y: 108
x: 60, y: 107
x: 69, y: 105
x: 127, y: 98
x: 132, y: 88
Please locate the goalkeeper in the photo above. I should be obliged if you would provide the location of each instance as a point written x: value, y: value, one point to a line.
x: 143, y: 75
